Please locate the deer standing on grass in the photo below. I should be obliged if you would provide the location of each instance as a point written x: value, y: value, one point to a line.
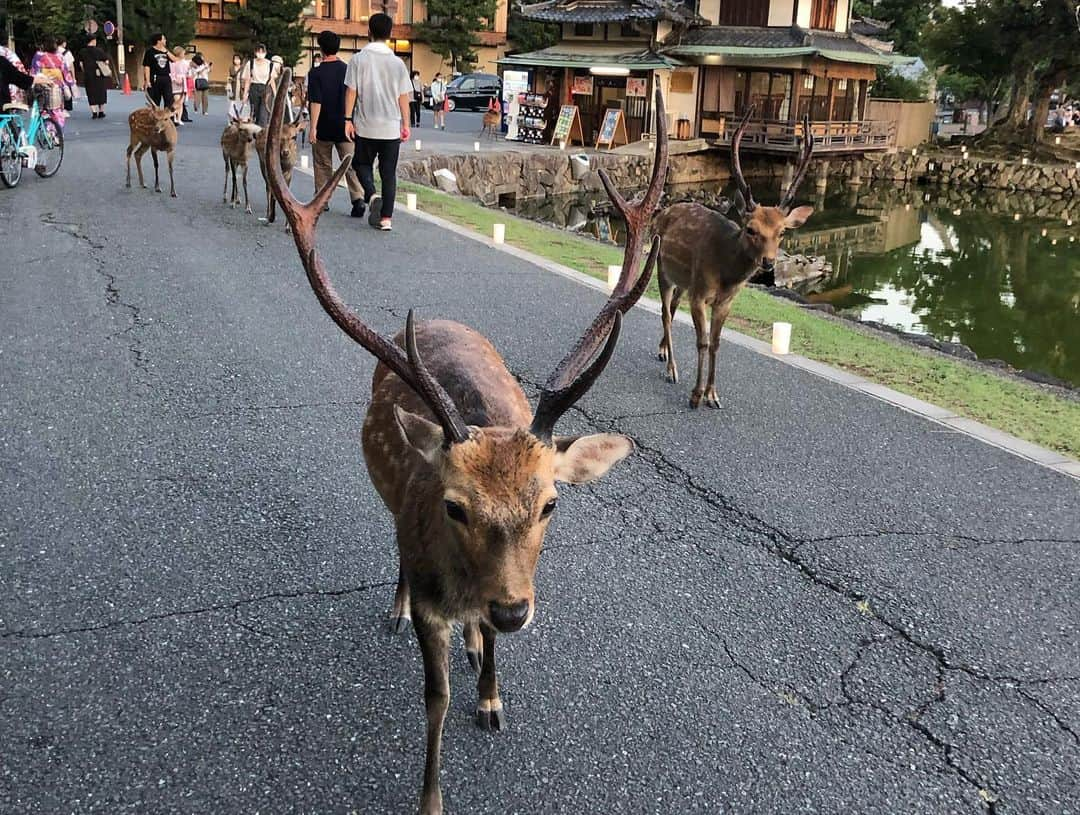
x: 464, y: 466
x: 152, y: 129
x: 710, y: 258
x: 287, y: 157
x: 236, y: 142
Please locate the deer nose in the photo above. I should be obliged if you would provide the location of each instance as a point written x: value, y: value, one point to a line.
x: 509, y: 617
x: 768, y: 264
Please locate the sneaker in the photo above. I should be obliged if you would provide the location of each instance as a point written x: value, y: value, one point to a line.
x: 375, y: 217
x: 385, y: 225
x: 358, y: 208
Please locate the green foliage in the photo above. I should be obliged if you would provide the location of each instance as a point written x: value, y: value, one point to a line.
x: 144, y: 18
x: 451, y: 29
x: 891, y: 85
x: 277, y: 23
x: 528, y: 35
x: 34, y: 19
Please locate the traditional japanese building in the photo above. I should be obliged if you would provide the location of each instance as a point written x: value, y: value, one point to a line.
x: 713, y: 59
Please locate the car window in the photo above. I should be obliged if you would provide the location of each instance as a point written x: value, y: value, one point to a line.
x: 467, y: 85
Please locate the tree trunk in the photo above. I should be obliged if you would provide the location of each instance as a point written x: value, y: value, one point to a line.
x: 1050, y: 79
x: 1016, y: 114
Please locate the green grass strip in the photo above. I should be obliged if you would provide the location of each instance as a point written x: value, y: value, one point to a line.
x: 1026, y: 411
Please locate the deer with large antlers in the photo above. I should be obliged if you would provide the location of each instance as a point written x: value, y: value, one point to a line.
x: 710, y: 258
x: 465, y: 467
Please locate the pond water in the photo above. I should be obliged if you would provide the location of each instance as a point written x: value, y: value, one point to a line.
x: 996, y: 271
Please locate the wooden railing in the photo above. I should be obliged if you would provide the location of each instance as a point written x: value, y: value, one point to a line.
x: 785, y: 137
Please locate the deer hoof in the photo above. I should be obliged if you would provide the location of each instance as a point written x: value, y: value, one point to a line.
x: 695, y: 400
x: 672, y: 376
x: 476, y: 660
x: 173, y: 195
x: 399, y: 622
x: 662, y: 355
x: 249, y: 211
x: 490, y: 716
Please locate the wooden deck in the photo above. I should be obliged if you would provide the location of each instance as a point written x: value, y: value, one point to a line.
x: 782, y: 138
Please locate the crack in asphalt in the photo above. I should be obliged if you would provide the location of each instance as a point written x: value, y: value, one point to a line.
x: 191, y: 612
x: 112, y: 293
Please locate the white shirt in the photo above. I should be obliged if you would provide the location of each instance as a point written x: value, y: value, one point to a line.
x: 379, y: 77
x: 438, y: 90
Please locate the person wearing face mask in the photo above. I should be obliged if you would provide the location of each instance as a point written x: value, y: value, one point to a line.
x: 256, y: 77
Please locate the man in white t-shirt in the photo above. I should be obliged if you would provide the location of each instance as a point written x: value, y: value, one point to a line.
x: 377, y: 95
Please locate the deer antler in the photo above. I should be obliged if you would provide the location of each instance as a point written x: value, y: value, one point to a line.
x: 574, y: 375
x: 303, y: 218
x: 736, y: 162
x: 804, y: 164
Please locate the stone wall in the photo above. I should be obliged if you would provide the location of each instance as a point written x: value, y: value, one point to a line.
x: 948, y: 169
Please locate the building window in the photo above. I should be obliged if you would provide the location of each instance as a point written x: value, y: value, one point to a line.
x: 348, y: 10
x: 744, y: 12
x: 823, y: 14
x: 583, y: 29
x: 328, y: 9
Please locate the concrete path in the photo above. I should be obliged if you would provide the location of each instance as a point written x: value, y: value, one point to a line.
x: 809, y: 601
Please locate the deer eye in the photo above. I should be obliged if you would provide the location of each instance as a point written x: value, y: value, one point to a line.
x: 751, y: 232
x: 456, y: 512
x: 549, y: 507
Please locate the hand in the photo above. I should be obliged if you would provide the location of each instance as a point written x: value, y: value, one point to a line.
x: 405, y: 133
x: 312, y: 138
x: 350, y: 131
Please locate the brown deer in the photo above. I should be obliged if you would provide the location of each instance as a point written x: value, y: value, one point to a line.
x: 710, y: 257
x: 236, y: 141
x: 152, y: 129
x: 491, y: 123
x: 288, y: 153
x: 464, y: 466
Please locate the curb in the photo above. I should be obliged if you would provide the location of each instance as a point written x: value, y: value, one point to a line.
x: 1026, y: 450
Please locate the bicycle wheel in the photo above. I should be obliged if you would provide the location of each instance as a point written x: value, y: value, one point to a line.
x: 49, y: 142
x: 10, y: 160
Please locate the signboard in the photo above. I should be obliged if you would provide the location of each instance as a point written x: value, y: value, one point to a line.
x: 110, y: 29
x: 91, y: 27
x: 612, y: 129
x: 582, y: 86
x: 636, y: 87
x: 568, y: 126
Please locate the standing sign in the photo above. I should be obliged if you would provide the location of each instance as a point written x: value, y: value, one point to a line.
x: 568, y: 126
x: 613, y: 129
x: 583, y: 86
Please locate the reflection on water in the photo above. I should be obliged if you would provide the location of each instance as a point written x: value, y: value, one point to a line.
x: 996, y: 271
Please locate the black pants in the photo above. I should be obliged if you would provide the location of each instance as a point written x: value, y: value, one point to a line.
x: 161, y: 91
x: 386, y: 152
x: 414, y: 109
x: 260, y: 113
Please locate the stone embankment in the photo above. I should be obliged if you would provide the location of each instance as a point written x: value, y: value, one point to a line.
x: 949, y: 168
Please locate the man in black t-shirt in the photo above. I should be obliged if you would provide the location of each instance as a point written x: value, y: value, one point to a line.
x: 326, y: 97
x: 156, y: 78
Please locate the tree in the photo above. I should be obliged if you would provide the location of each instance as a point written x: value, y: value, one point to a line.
x: 529, y: 35
x: 277, y: 23
x: 451, y: 29
x: 145, y: 18
x: 33, y: 19
x: 891, y: 85
x: 907, y: 20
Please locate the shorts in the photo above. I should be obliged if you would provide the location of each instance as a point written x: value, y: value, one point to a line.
x: 161, y: 91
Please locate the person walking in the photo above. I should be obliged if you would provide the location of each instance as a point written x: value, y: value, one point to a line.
x: 438, y: 100
x: 200, y: 73
x: 418, y: 98
x: 256, y: 76
x: 96, y: 72
x: 156, y: 77
x: 49, y: 62
x: 234, y: 89
x: 377, y: 95
x: 72, y: 92
x: 326, y: 101
x: 178, y: 74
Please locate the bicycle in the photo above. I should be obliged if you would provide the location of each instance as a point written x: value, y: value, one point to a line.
x: 39, y: 144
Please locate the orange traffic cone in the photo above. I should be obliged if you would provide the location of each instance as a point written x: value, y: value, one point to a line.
x: 127, y: 85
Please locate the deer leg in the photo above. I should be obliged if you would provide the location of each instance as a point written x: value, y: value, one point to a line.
x: 489, y: 710
x: 247, y: 198
x: 434, y: 638
x: 157, y: 183
x: 401, y: 616
x: 138, y: 163
x: 127, y: 181
x: 719, y: 317
x: 473, y: 645
x: 225, y: 191
x: 172, y: 184
x: 697, y: 311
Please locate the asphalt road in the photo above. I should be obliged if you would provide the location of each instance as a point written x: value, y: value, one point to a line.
x: 807, y: 602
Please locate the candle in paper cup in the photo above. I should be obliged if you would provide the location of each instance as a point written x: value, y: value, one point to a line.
x: 304, y: 161
x: 410, y: 201
x: 498, y: 233
x: 562, y: 145
x: 476, y: 146
x: 1016, y: 216
x: 781, y: 338
x: 1024, y: 161
x: 419, y: 144
x: 613, y: 273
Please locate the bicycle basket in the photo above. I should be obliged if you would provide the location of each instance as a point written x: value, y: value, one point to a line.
x: 48, y: 97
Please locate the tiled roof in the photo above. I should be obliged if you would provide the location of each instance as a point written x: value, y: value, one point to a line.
x: 610, y: 11
x: 560, y: 57
x: 773, y: 42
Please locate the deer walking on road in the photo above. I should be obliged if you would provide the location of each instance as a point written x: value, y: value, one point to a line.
x: 236, y: 143
x: 710, y: 257
x: 152, y: 129
x: 465, y: 467
x: 287, y: 157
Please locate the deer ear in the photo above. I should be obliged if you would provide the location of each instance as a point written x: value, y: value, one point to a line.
x: 581, y: 459
x: 423, y: 436
x: 740, y: 204
x: 798, y: 216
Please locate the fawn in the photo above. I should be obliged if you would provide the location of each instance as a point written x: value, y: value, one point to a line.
x: 236, y: 141
x: 152, y: 129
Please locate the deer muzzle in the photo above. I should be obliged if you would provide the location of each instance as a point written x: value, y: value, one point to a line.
x: 509, y: 617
